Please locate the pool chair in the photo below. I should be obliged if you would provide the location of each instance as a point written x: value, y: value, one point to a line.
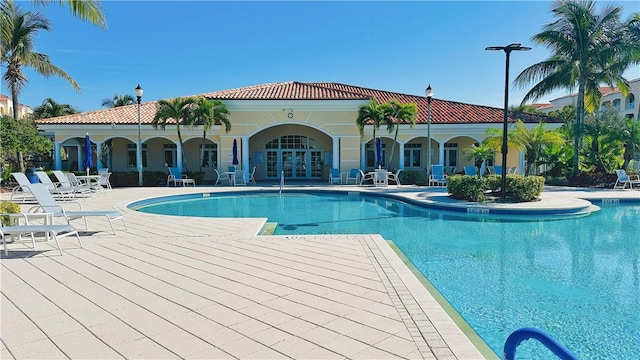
x: 177, y: 178
x: 55, y: 189
x: 22, y: 188
x: 239, y: 178
x: 365, y: 177
x: 251, y: 174
x: 437, y: 177
x: 335, y: 177
x: 394, y: 177
x: 51, y: 231
x: 353, y: 175
x: 47, y: 204
x: 497, y: 169
x: 471, y: 170
x: 71, y: 183
x: 221, y: 177
x: 625, y: 179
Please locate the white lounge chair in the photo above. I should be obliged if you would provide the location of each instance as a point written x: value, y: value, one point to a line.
x: 65, y: 182
x: 177, y: 178
x: 625, y: 179
x: 22, y: 188
x: 46, y: 203
x: 54, y: 188
x: 55, y: 231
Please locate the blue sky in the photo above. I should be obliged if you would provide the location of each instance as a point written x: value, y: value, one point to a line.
x: 185, y: 48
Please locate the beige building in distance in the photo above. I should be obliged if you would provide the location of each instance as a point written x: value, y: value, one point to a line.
x: 300, y: 128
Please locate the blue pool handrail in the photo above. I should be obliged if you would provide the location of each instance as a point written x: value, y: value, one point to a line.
x: 545, y: 339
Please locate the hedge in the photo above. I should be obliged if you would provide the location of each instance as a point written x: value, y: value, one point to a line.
x: 472, y: 188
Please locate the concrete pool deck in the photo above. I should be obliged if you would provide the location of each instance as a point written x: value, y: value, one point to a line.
x: 173, y: 287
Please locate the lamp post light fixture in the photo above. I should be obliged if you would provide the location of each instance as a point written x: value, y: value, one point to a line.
x: 429, y: 93
x: 138, y: 90
x: 507, y: 50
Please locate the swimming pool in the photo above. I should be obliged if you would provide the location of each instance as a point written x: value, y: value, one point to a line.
x: 577, y: 279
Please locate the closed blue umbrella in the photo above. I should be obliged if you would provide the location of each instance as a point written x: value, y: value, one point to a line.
x: 88, y: 161
x: 235, y: 152
x: 379, y: 152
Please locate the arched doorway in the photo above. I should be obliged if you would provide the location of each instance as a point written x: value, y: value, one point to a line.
x: 299, y: 156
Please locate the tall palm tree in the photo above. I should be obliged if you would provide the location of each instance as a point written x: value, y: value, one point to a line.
x: 373, y: 114
x: 533, y: 141
x: 209, y: 113
x: 19, y: 29
x: 587, y: 49
x: 118, y: 100
x: 396, y: 114
x: 177, y: 110
x: 87, y: 10
x: 50, y: 108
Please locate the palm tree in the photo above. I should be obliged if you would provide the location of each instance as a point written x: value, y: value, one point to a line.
x: 118, y: 100
x: 401, y: 113
x: 177, y: 110
x: 480, y: 153
x: 534, y: 141
x: 19, y: 29
x: 87, y: 10
x: 373, y: 114
x: 209, y: 113
x: 50, y: 108
x: 587, y: 49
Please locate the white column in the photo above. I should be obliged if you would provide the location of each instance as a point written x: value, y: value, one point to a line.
x: 245, y: 156
x: 441, y: 153
x: 57, y: 156
x: 401, y: 156
x: 520, y: 162
x: 99, y: 164
x: 363, y: 156
x: 336, y: 152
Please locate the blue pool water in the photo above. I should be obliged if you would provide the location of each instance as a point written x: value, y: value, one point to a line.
x: 577, y: 279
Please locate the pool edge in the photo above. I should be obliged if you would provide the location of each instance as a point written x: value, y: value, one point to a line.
x: 466, y: 329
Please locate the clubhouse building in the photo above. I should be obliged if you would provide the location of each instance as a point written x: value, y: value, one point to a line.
x: 301, y: 128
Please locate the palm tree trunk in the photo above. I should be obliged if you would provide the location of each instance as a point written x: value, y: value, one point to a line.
x: 375, y: 153
x: 204, y: 137
x: 579, y: 126
x: 393, y: 147
x: 14, y: 99
x: 181, y: 155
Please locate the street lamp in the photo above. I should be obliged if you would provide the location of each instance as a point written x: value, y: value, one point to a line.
x: 507, y: 50
x: 429, y: 93
x: 138, y: 90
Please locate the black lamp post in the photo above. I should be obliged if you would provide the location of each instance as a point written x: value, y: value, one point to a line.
x: 138, y: 90
x: 507, y: 50
x: 429, y: 93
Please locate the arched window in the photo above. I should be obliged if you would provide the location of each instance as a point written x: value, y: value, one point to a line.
x: 630, y: 102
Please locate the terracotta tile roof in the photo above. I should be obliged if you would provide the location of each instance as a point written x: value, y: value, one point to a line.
x: 542, y: 106
x: 442, y: 111
x: 291, y: 90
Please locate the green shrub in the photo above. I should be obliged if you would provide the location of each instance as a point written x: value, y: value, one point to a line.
x: 463, y: 187
x: 411, y: 177
x: 492, y: 182
x: 471, y: 188
x: 8, y: 207
x: 524, y: 188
